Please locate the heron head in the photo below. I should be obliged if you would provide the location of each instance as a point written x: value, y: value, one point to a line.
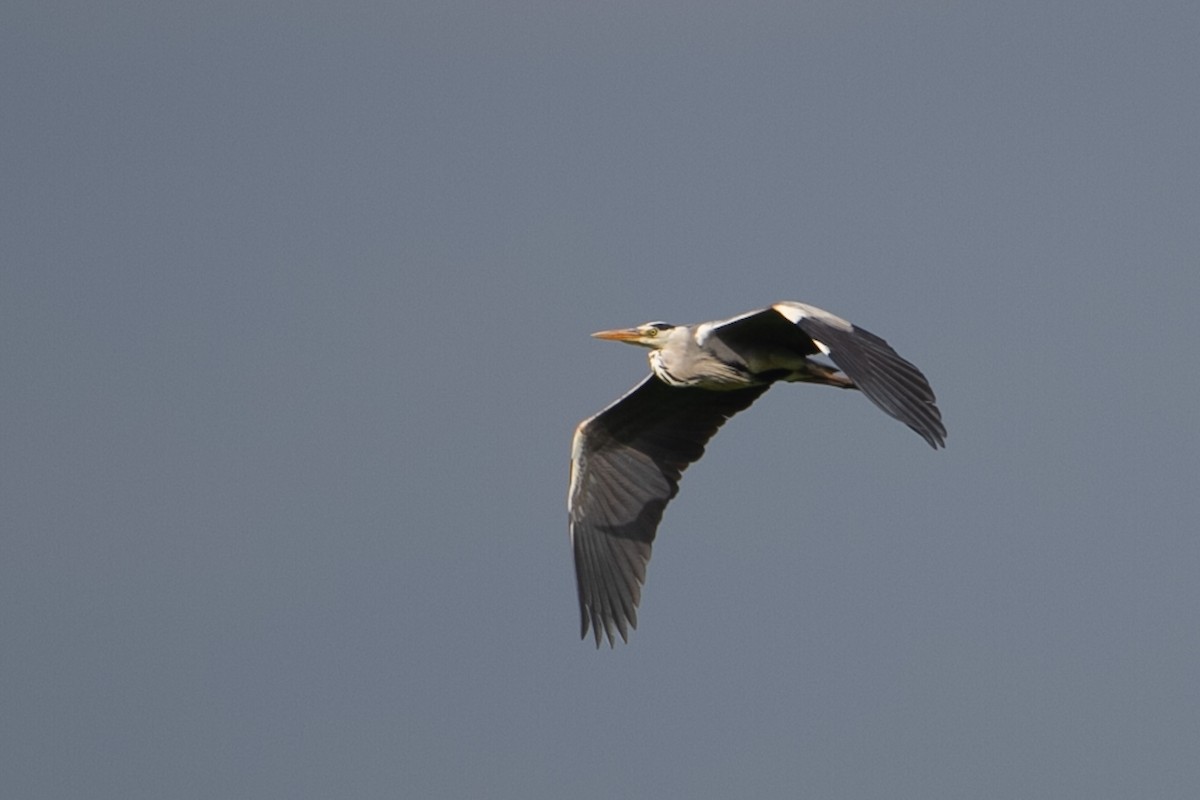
x: 651, y: 334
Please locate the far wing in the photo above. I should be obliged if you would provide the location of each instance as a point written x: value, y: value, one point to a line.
x: 756, y: 331
x: 625, y: 467
x: 890, y: 382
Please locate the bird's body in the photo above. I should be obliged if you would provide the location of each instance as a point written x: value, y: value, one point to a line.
x: 626, y: 461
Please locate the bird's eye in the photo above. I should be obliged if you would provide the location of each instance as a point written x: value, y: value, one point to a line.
x: 650, y: 333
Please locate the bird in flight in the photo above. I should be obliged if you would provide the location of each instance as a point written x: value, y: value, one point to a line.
x: 626, y: 461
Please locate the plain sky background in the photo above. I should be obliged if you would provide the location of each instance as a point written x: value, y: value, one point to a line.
x: 294, y: 313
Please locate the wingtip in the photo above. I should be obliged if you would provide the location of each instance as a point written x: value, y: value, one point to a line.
x: 608, y: 630
x: 935, y: 438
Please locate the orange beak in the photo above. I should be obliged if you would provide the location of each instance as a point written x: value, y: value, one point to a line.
x: 621, y: 335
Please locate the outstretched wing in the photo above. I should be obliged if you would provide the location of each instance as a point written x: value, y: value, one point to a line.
x: 625, y: 467
x: 890, y: 382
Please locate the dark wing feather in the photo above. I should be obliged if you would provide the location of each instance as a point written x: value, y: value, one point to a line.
x: 890, y: 382
x: 625, y: 467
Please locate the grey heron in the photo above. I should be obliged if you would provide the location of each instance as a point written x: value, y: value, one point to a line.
x: 626, y: 461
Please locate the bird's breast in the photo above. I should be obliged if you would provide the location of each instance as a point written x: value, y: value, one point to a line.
x: 701, y: 373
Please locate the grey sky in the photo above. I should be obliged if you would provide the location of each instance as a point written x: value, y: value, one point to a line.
x: 294, y: 313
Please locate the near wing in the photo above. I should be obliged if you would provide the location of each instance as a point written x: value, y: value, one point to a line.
x: 625, y: 468
x: 890, y: 382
